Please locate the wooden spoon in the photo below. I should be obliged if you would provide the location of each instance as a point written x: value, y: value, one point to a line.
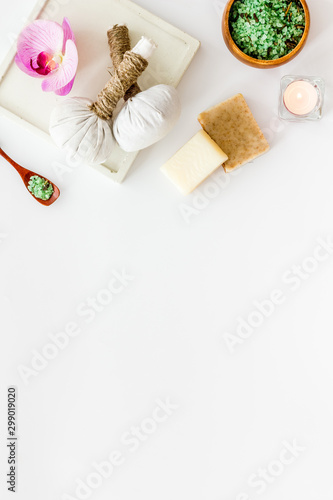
x: 25, y: 176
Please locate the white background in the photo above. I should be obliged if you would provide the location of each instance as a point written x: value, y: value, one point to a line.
x: 164, y: 335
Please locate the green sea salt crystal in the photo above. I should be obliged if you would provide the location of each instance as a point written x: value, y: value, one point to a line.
x: 40, y: 187
x: 267, y: 29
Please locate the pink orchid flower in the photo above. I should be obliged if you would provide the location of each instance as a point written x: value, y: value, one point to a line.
x: 47, y: 50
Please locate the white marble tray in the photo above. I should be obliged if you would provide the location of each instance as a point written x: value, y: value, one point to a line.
x: 22, y: 99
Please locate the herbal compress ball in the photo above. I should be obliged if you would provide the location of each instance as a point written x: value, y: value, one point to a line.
x: 85, y: 129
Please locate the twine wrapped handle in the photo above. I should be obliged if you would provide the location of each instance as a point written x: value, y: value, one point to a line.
x: 119, y: 43
x: 126, y: 74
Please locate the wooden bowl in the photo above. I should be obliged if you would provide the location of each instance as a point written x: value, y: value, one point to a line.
x: 262, y: 63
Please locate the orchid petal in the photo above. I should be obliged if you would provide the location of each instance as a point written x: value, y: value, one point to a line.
x: 40, y: 36
x: 66, y: 89
x: 68, y: 33
x: 66, y: 71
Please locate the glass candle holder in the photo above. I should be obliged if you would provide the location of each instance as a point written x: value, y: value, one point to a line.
x: 301, y: 98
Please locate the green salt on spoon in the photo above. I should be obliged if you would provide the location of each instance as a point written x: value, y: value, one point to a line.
x: 42, y: 190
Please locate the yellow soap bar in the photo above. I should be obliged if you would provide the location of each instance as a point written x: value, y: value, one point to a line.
x: 194, y: 162
x: 233, y: 127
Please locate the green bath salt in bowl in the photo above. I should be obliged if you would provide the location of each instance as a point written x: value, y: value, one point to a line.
x: 267, y: 29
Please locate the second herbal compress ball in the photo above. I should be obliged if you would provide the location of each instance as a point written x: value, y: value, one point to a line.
x: 147, y: 117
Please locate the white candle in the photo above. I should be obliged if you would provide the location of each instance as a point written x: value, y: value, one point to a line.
x: 300, y: 98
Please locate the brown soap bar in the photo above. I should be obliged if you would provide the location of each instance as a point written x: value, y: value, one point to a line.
x: 233, y: 127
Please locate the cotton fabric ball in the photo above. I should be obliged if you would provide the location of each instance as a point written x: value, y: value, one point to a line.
x: 79, y: 131
x: 147, y: 117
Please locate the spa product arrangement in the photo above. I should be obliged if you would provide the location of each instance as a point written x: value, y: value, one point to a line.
x: 260, y: 33
x: 41, y: 189
x: 230, y: 136
x: 86, y: 130
x: 268, y: 31
x: 167, y: 66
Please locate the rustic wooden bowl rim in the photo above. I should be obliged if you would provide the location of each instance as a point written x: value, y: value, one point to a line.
x: 266, y: 62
